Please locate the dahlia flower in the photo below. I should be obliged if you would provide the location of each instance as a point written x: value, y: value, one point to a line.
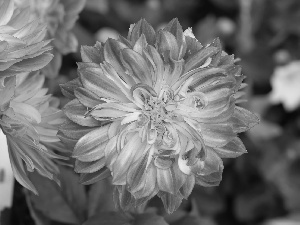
x: 157, y: 112
x: 60, y: 17
x: 22, y: 41
x: 30, y: 123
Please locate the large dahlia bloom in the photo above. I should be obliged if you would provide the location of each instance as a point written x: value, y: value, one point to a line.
x: 23, y: 47
x: 157, y: 112
x: 60, y: 17
x: 30, y: 119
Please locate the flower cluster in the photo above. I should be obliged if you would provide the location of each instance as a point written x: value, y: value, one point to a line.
x: 60, y: 17
x: 23, y: 47
x: 28, y: 116
x: 157, y: 112
x: 30, y: 121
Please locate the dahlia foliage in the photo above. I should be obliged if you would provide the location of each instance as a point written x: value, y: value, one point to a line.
x: 156, y: 111
x: 23, y: 47
x: 60, y: 17
x: 28, y: 116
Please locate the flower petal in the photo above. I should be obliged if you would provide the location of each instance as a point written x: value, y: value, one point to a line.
x: 125, y: 158
x: 26, y: 110
x: 90, y: 178
x: 232, y: 149
x: 211, y: 163
x: 175, y: 28
x: 75, y: 111
x: 92, y: 54
x: 91, y: 146
x: 188, y: 186
x: 6, y: 11
x: 96, y: 81
x: 89, y: 167
x: 87, y: 98
x: 142, y: 27
x: 166, y: 180
x: 33, y: 64
x: 167, y: 45
x: 210, y: 180
x: 137, y: 66
x: 68, y: 88
x: 171, y: 201
x: 215, y: 135
x: 112, y: 50
x: 242, y: 120
x: 199, y: 58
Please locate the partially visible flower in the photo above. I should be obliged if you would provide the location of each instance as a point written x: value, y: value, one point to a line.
x: 30, y: 123
x: 22, y: 41
x: 106, y: 32
x: 60, y: 17
x: 286, y: 86
x: 157, y: 112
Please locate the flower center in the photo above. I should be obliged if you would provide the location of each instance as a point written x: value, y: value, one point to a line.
x: 155, y: 110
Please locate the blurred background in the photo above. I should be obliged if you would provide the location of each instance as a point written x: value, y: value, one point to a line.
x: 263, y: 186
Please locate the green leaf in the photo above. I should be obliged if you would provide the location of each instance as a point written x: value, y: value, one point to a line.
x: 149, y: 219
x: 100, y: 198
x: 117, y: 218
x: 66, y: 204
x: 111, y: 218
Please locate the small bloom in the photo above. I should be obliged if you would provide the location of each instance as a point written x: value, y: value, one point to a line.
x: 157, y: 112
x: 30, y: 124
x: 286, y: 86
x: 23, y: 47
x: 60, y: 17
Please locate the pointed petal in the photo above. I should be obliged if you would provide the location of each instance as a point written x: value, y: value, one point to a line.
x: 210, y: 180
x: 91, y: 178
x: 112, y: 50
x: 136, y: 176
x: 89, y: 167
x: 165, y: 180
x: 171, y: 201
x: 232, y: 149
x: 18, y: 168
x: 188, y: 186
x: 33, y: 64
x: 167, y: 45
x: 215, y: 135
x: 125, y: 158
x: 28, y: 111
x: 91, y: 54
x: 211, y: 163
x: 87, y: 98
x: 175, y: 28
x: 92, y: 145
x: 149, y: 185
x: 142, y: 27
x: 96, y: 81
x: 140, y: 45
x: 6, y: 11
x: 75, y: 111
x: 199, y: 58
x: 73, y: 130
x: 68, y: 88
x: 137, y: 66
x: 242, y: 120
